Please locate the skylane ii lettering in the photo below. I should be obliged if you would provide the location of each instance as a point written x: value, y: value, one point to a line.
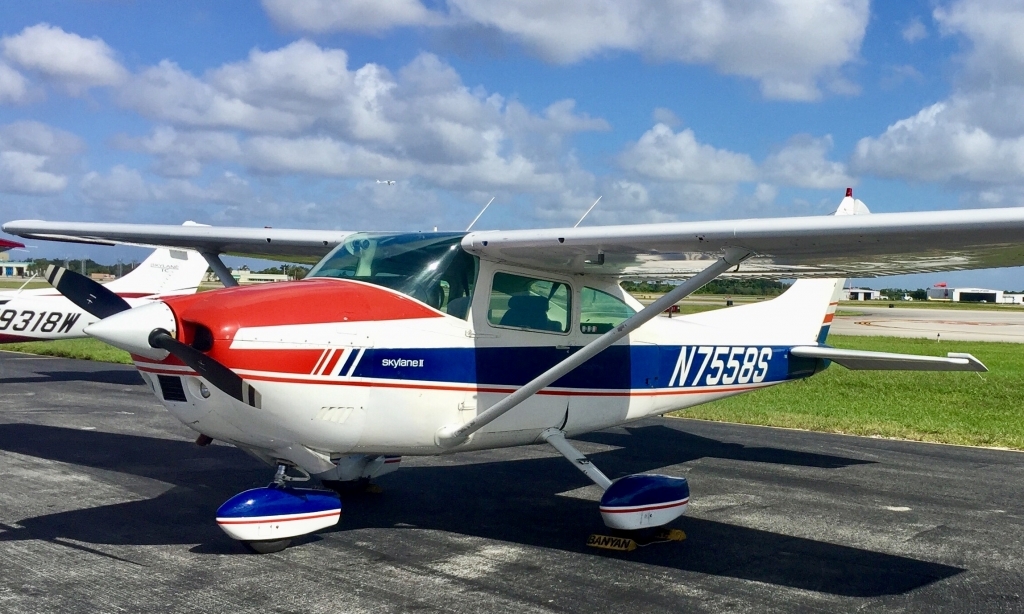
x: 394, y: 363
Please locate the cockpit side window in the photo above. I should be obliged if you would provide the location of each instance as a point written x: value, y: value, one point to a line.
x: 525, y: 302
x: 453, y: 293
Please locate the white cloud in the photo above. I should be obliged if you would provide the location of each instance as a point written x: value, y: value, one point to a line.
x: 802, y: 163
x: 64, y: 58
x: 37, y: 138
x: 993, y: 28
x: 13, y: 85
x: 976, y: 135
x: 687, y: 177
x: 914, y: 31
x: 123, y: 187
x: 664, y: 155
x: 765, y: 193
x: 790, y: 47
x: 35, y: 158
x: 23, y: 173
x: 895, y: 75
x: 167, y: 93
x: 787, y: 44
x: 181, y: 154
x: 348, y: 15
x: 661, y: 115
x: 301, y: 109
x: 942, y: 143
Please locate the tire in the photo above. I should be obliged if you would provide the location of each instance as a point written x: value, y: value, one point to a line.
x: 268, y: 546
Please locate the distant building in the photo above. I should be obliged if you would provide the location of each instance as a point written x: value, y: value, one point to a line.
x: 861, y: 294
x: 245, y: 277
x: 101, y: 277
x: 973, y: 295
x: 248, y: 277
x: 13, y: 269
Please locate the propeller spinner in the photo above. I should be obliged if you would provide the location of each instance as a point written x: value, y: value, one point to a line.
x: 143, y: 329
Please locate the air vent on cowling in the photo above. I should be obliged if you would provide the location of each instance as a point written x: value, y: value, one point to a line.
x: 172, y: 389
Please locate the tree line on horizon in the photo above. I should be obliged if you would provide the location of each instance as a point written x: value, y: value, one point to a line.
x: 88, y: 266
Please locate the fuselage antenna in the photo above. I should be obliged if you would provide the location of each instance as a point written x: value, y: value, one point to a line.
x: 589, y: 210
x: 481, y: 213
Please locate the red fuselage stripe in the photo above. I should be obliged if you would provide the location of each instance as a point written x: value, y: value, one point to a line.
x: 468, y: 388
x: 257, y: 521
x: 649, y: 508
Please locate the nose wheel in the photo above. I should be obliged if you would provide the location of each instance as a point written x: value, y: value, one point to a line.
x: 267, y: 547
x: 266, y: 519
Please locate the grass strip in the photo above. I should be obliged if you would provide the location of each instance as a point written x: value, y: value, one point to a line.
x: 959, y: 408
x: 84, y: 349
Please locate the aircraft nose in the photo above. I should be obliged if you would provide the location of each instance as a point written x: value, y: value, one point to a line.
x: 130, y: 329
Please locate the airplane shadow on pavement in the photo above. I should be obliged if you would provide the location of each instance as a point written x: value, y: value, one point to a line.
x: 508, y: 500
x: 121, y: 377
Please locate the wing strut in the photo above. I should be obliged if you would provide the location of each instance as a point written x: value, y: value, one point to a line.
x: 453, y: 435
x: 222, y: 271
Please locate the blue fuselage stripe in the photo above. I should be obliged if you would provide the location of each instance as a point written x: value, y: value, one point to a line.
x: 617, y: 368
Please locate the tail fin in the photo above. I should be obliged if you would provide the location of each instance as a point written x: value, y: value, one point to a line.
x: 164, y: 272
x: 804, y: 312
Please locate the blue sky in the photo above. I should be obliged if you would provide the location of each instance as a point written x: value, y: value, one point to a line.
x: 285, y: 113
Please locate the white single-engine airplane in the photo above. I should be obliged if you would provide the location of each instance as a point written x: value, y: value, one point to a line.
x: 42, y: 314
x: 432, y: 343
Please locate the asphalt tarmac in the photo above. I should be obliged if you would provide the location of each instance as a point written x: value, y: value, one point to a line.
x: 106, y: 505
x: 951, y: 324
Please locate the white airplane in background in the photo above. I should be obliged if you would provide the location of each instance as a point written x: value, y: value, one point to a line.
x: 43, y: 314
x: 434, y: 343
x: 387, y: 181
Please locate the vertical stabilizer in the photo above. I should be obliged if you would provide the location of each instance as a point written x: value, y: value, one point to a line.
x: 164, y: 272
x: 849, y: 206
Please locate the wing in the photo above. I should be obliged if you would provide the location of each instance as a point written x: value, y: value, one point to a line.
x: 822, y: 246
x: 300, y: 246
x: 6, y: 245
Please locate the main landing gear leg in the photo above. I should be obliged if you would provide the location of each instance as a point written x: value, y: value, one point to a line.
x: 631, y: 504
x: 267, y: 519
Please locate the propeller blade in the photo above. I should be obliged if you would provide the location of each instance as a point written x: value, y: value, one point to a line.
x: 84, y: 292
x: 226, y: 380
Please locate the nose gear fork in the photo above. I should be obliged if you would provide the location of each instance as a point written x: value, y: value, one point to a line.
x: 281, y: 476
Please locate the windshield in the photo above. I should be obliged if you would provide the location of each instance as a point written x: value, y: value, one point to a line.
x: 430, y: 267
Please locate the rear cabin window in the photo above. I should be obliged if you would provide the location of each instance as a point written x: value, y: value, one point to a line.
x: 600, y: 312
x: 529, y: 303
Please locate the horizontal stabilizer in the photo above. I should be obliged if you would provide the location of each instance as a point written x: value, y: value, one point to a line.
x: 860, y: 360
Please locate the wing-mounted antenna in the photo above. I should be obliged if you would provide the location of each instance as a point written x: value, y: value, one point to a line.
x: 481, y: 213
x: 589, y: 210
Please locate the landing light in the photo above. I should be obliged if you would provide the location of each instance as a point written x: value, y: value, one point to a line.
x: 203, y: 390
